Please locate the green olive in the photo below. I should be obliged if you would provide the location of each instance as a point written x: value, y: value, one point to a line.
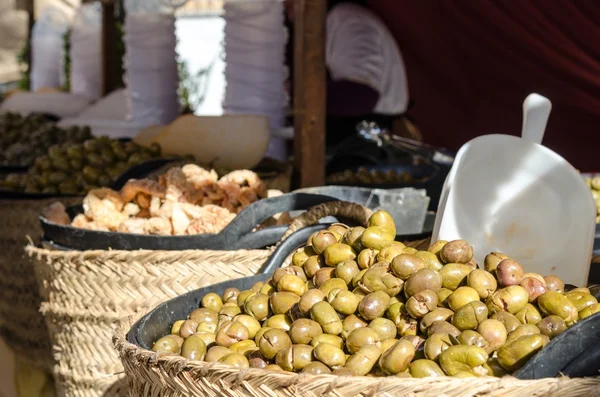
x: 168, y: 344
x: 363, y: 361
x: 431, y: 260
x: 243, y: 296
x: 421, y: 303
x: 439, y: 314
x: 295, y: 357
x: 316, y: 368
x: 331, y: 284
x: 469, y: 316
x: 515, y: 354
x: 494, y: 333
x: 373, y: 305
x: 322, y: 240
x: 212, y: 301
x: 351, y: 323
x: 292, y: 283
x: 330, y: 355
x: 385, y: 328
x: 280, y: 321
x: 555, y: 284
x: 308, y: 300
x: 443, y: 327
x: 257, y: 306
x: 377, y: 278
x: 588, y: 311
x: 377, y: 238
x: 443, y: 295
x: 302, y: 255
x: 472, y: 338
x: 552, y: 326
x: 510, y: 299
x: 215, y: 353
x: 388, y: 253
x: 337, y: 253
x: 236, y: 360
x: 343, y: 301
x: 176, y: 327
x: 436, y: 247
x: 204, y: 314
x: 294, y: 270
x: 346, y: 271
x: 361, y: 337
x: 353, y: 237
x: 523, y: 330
x: 303, y: 330
x: 228, y: 312
x: 553, y: 302
x: 327, y: 338
x: 313, y: 264
x: 483, y: 282
x: 423, y: 279
x: 457, y: 251
x: 463, y: 359
x: 188, y: 328
x: 322, y: 275
x: 425, y: 368
x: 281, y: 302
x: 529, y: 315
x: 492, y: 260
x: 509, y: 272
x: 435, y: 345
x: 581, y: 300
x: 405, y: 265
x: 510, y: 321
x: 193, y: 348
x: 231, y: 333
x: 454, y: 275
x: 462, y: 296
x: 326, y: 316
x: 245, y: 347
x: 397, y: 358
x: 272, y: 341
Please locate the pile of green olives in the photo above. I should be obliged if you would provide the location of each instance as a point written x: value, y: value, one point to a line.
x: 25, y: 138
x: 75, y: 168
x: 356, y: 302
x: 594, y: 184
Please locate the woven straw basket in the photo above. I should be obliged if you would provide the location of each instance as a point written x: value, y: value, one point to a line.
x: 148, y: 374
x: 21, y: 324
x: 84, y: 294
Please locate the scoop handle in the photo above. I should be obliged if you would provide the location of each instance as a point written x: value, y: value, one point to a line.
x: 536, y: 110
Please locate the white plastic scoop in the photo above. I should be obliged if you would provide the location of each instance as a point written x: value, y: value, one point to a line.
x: 512, y: 195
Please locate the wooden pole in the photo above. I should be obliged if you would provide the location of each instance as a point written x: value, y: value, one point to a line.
x: 309, y: 91
x: 29, y: 7
x: 109, y: 48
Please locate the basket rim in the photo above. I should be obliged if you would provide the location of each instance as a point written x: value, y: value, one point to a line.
x: 170, y: 364
x: 160, y: 255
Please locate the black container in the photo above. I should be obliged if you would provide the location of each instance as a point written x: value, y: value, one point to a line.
x: 237, y: 235
x: 576, y: 352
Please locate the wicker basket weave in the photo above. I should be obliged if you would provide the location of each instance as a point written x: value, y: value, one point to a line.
x: 149, y: 374
x: 21, y: 324
x: 84, y: 294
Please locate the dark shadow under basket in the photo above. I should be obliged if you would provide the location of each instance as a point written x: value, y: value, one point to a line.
x: 22, y: 326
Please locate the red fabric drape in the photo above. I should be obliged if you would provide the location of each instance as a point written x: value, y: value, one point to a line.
x: 471, y: 63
